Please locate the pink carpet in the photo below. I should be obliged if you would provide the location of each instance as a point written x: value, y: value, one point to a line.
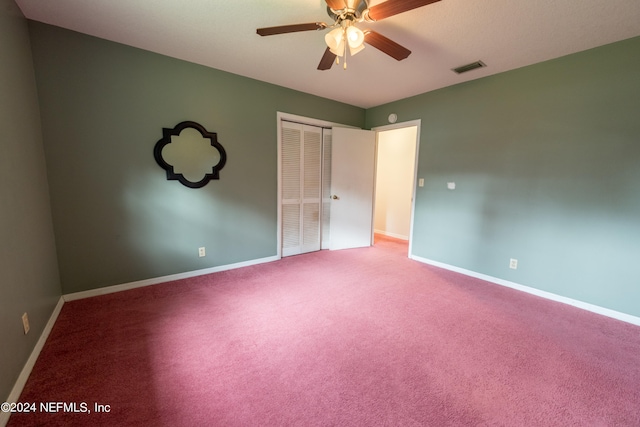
x: 362, y: 337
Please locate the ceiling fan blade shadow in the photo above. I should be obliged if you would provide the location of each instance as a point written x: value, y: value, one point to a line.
x: 394, y: 7
x: 327, y: 60
x: 283, y: 29
x: 336, y: 4
x: 386, y: 45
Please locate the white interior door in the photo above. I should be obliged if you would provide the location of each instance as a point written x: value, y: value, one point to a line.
x: 352, y: 187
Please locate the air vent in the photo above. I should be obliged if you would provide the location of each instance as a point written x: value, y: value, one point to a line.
x: 469, y: 67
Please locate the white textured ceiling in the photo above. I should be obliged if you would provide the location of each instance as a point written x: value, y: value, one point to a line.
x: 505, y: 34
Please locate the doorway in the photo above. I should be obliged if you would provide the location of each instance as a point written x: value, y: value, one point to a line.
x: 396, y: 176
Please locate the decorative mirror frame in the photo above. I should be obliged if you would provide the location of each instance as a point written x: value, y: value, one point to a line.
x: 166, y: 139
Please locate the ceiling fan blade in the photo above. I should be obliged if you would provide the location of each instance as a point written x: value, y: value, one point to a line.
x: 335, y: 4
x: 283, y: 29
x: 327, y: 60
x: 386, y: 45
x: 394, y: 7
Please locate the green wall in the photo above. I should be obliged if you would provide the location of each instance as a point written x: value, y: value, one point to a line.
x: 30, y: 281
x: 116, y: 217
x: 546, y: 160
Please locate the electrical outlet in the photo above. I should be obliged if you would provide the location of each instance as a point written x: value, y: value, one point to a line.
x: 25, y: 323
x: 513, y: 264
x: 201, y: 252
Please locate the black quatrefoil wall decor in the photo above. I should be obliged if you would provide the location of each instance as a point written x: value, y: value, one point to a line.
x: 190, y: 154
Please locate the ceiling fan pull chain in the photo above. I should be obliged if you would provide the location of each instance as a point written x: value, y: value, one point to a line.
x: 344, y: 37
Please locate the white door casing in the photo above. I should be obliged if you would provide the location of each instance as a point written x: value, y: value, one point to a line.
x: 395, y: 162
x: 417, y: 124
x: 325, y: 242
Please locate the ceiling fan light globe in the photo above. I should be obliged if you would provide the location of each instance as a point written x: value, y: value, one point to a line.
x: 354, y: 50
x: 337, y: 52
x: 335, y: 41
x: 355, y: 37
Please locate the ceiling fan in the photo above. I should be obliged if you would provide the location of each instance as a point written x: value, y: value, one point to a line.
x: 345, y: 36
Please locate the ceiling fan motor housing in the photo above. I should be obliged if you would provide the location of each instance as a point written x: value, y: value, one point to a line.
x: 353, y: 11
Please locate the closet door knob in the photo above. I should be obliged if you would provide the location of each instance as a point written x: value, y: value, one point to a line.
x: 334, y: 197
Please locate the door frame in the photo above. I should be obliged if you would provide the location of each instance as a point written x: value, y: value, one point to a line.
x: 280, y: 117
x: 412, y: 123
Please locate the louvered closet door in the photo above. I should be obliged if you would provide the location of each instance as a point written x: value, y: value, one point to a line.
x: 291, y: 152
x: 301, y: 153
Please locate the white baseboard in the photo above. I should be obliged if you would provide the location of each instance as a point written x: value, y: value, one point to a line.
x: 154, y: 281
x: 395, y: 235
x: 14, y: 396
x: 544, y: 294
